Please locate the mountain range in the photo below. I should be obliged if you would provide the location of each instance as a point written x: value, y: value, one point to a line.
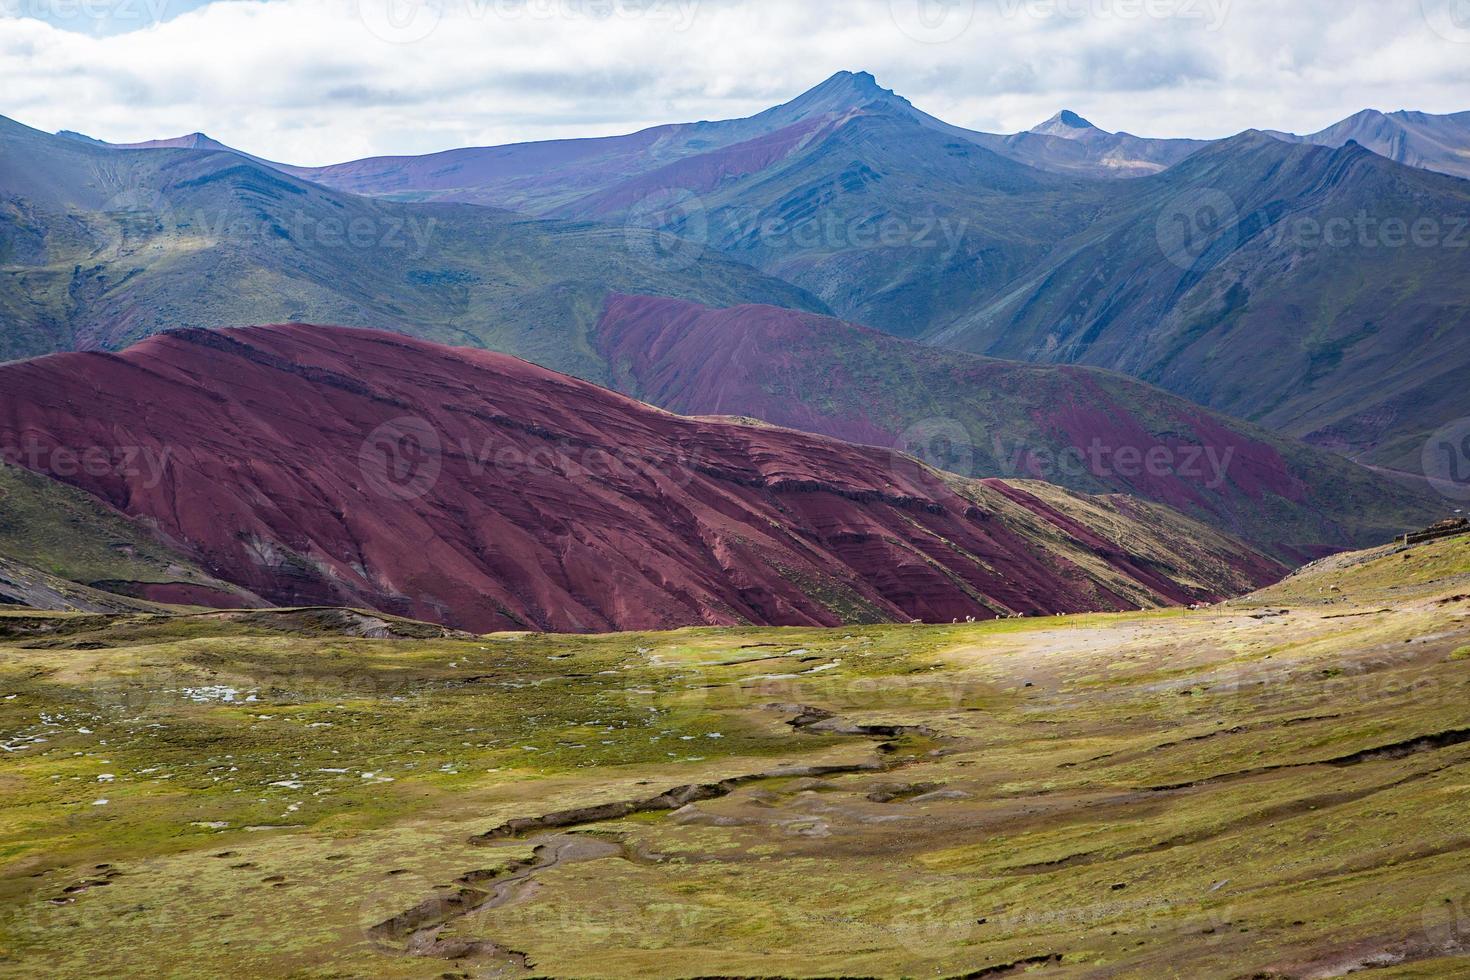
x: 1216, y: 257
x: 1065, y: 143
x: 203, y: 237
x: 1415, y: 139
x: 847, y: 265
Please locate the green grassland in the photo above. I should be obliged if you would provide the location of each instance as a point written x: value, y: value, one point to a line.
x: 1270, y: 787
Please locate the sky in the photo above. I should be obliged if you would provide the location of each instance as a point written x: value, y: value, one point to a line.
x: 322, y: 81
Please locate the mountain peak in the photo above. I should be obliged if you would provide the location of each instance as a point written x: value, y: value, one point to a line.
x: 855, y: 81
x: 844, y: 91
x: 193, y: 141
x: 1066, y: 124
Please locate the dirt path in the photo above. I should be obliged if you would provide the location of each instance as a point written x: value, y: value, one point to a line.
x: 418, y: 931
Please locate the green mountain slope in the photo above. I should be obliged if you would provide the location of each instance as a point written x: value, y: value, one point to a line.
x: 100, y: 247
x: 1324, y: 293
x: 52, y: 534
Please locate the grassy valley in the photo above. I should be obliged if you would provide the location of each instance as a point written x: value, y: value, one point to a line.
x: 1073, y: 795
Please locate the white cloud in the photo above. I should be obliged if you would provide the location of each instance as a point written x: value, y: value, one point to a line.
x: 314, y: 81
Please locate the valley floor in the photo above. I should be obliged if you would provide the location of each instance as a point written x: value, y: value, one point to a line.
x: 1272, y: 787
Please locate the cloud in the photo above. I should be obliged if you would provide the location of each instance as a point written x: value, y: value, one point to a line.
x: 316, y: 81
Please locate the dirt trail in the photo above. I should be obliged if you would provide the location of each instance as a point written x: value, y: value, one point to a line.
x: 417, y: 931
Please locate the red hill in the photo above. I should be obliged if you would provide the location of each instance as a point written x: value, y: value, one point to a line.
x: 1061, y: 423
x: 322, y: 465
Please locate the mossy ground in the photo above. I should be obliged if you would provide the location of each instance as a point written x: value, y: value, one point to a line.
x: 1155, y: 794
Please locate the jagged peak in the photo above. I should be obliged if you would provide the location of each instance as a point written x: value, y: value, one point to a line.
x: 844, y: 91
x: 863, y: 82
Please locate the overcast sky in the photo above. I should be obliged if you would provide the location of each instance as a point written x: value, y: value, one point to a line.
x: 319, y: 81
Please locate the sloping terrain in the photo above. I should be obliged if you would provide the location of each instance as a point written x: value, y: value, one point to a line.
x: 1321, y: 292
x: 325, y: 466
x: 1282, y: 284
x: 31, y: 588
x: 99, y: 248
x: 1271, y: 787
x: 1415, y: 139
x: 69, y: 544
x: 1093, y: 431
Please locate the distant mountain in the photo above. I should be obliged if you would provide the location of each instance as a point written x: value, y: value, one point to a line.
x: 1067, y: 143
x: 193, y: 141
x: 1279, y: 283
x: 1415, y: 139
x: 1066, y: 124
x: 1092, y: 431
x: 560, y: 175
x: 99, y: 248
x: 890, y: 222
x: 537, y: 178
x: 324, y: 466
x: 555, y: 176
x: 1212, y: 278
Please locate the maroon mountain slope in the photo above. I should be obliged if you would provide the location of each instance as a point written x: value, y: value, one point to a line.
x: 322, y: 465
x: 1090, y: 430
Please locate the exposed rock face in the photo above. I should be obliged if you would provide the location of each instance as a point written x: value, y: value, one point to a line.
x: 319, y: 465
